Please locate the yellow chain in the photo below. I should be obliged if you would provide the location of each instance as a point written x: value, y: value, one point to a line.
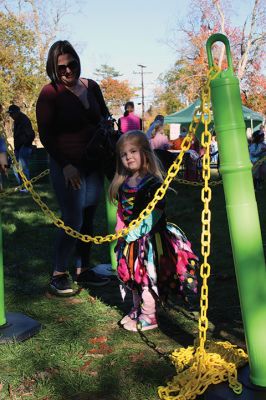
x: 206, y: 196
x: 159, y: 194
x: 9, y: 191
x: 210, y: 362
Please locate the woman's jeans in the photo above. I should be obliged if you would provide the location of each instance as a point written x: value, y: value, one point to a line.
x: 78, y: 209
x: 23, y: 158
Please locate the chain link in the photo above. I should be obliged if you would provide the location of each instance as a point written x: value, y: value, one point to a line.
x: 159, y: 194
x: 10, y: 191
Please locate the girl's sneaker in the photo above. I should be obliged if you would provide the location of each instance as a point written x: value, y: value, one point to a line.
x: 132, y: 315
x: 143, y: 323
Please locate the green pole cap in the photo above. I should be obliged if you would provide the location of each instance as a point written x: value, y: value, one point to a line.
x: 219, y: 37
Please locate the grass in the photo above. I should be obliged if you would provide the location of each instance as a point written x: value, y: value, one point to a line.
x: 81, y: 353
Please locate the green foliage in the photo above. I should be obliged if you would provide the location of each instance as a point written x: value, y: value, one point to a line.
x: 20, y: 76
x: 106, y: 71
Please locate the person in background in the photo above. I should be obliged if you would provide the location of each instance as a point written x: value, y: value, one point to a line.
x: 3, y: 161
x: 23, y: 138
x: 191, y: 158
x: 176, y: 143
x: 257, y: 150
x: 155, y: 257
x: 155, y: 133
x: 129, y: 121
x: 3, y: 155
x: 262, y: 131
x: 214, y: 148
x: 68, y: 112
x: 159, y: 141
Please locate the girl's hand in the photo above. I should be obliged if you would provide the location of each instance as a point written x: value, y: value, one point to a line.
x: 72, y: 176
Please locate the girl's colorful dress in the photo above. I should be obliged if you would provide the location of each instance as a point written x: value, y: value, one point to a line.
x: 156, y: 253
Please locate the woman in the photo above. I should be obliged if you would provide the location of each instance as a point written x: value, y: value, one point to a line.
x: 68, y: 111
x: 155, y: 134
x: 130, y: 121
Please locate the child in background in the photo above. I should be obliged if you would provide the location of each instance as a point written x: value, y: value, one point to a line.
x: 257, y: 150
x: 155, y: 257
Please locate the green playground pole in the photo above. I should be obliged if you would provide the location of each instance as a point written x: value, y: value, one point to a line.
x: 2, y: 295
x: 242, y: 212
x: 111, y: 222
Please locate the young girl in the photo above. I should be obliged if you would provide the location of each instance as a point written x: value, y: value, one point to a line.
x: 156, y: 256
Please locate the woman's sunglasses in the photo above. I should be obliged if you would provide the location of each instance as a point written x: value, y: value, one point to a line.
x: 61, y: 69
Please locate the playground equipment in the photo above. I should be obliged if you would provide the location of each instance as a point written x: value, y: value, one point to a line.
x: 13, y: 326
x: 203, y: 364
x: 242, y: 216
x: 216, y: 362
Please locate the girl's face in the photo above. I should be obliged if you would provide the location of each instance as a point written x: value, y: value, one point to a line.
x: 131, y: 157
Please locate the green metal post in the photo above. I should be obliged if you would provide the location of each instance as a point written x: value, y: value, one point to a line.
x: 111, y: 222
x: 2, y: 295
x: 242, y: 210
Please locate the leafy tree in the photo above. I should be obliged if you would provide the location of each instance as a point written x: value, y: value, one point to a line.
x: 27, y: 29
x: 116, y: 93
x: 247, y: 45
x: 18, y: 66
x: 105, y: 71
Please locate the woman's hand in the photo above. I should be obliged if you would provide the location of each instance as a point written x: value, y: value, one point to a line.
x: 72, y: 176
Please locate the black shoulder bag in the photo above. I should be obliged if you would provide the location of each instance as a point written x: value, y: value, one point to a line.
x: 101, y: 149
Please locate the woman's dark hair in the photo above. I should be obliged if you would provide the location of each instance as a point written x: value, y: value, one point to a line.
x: 129, y: 104
x: 257, y: 137
x: 57, y: 49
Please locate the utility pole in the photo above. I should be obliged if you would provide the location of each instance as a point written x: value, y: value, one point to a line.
x: 142, y: 90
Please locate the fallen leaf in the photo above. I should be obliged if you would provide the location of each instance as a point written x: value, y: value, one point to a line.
x: 137, y: 357
x: 91, y: 299
x: 95, y: 355
x: 85, y: 365
x: 100, y: 339
x: 1, y: 386
x: 62, y: 319
x: 48, y: 295
x: 93, y: 373
x: 74, y: 300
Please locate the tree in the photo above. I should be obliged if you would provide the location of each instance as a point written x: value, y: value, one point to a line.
x: 105, y: 71
x: 116, y: 93
x: 27, y: 29
x: 247, y: 46
x: 18, y: 67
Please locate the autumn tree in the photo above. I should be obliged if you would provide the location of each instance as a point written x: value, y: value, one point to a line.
x: 18, y: 67
x: 27, y: 29
x: 247, y: 47
x: 116, y: 93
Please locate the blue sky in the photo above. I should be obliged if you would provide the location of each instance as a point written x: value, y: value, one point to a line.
x: 124, y: 33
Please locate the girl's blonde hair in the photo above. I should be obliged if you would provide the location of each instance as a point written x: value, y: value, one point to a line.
x: 150, y: 163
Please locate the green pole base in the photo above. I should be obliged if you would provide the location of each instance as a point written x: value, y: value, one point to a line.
x: 18, y: 327
x: 250, y: 391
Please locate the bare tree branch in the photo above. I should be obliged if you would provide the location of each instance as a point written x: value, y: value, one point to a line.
x: 217, y: 4
x: 244, y: 57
